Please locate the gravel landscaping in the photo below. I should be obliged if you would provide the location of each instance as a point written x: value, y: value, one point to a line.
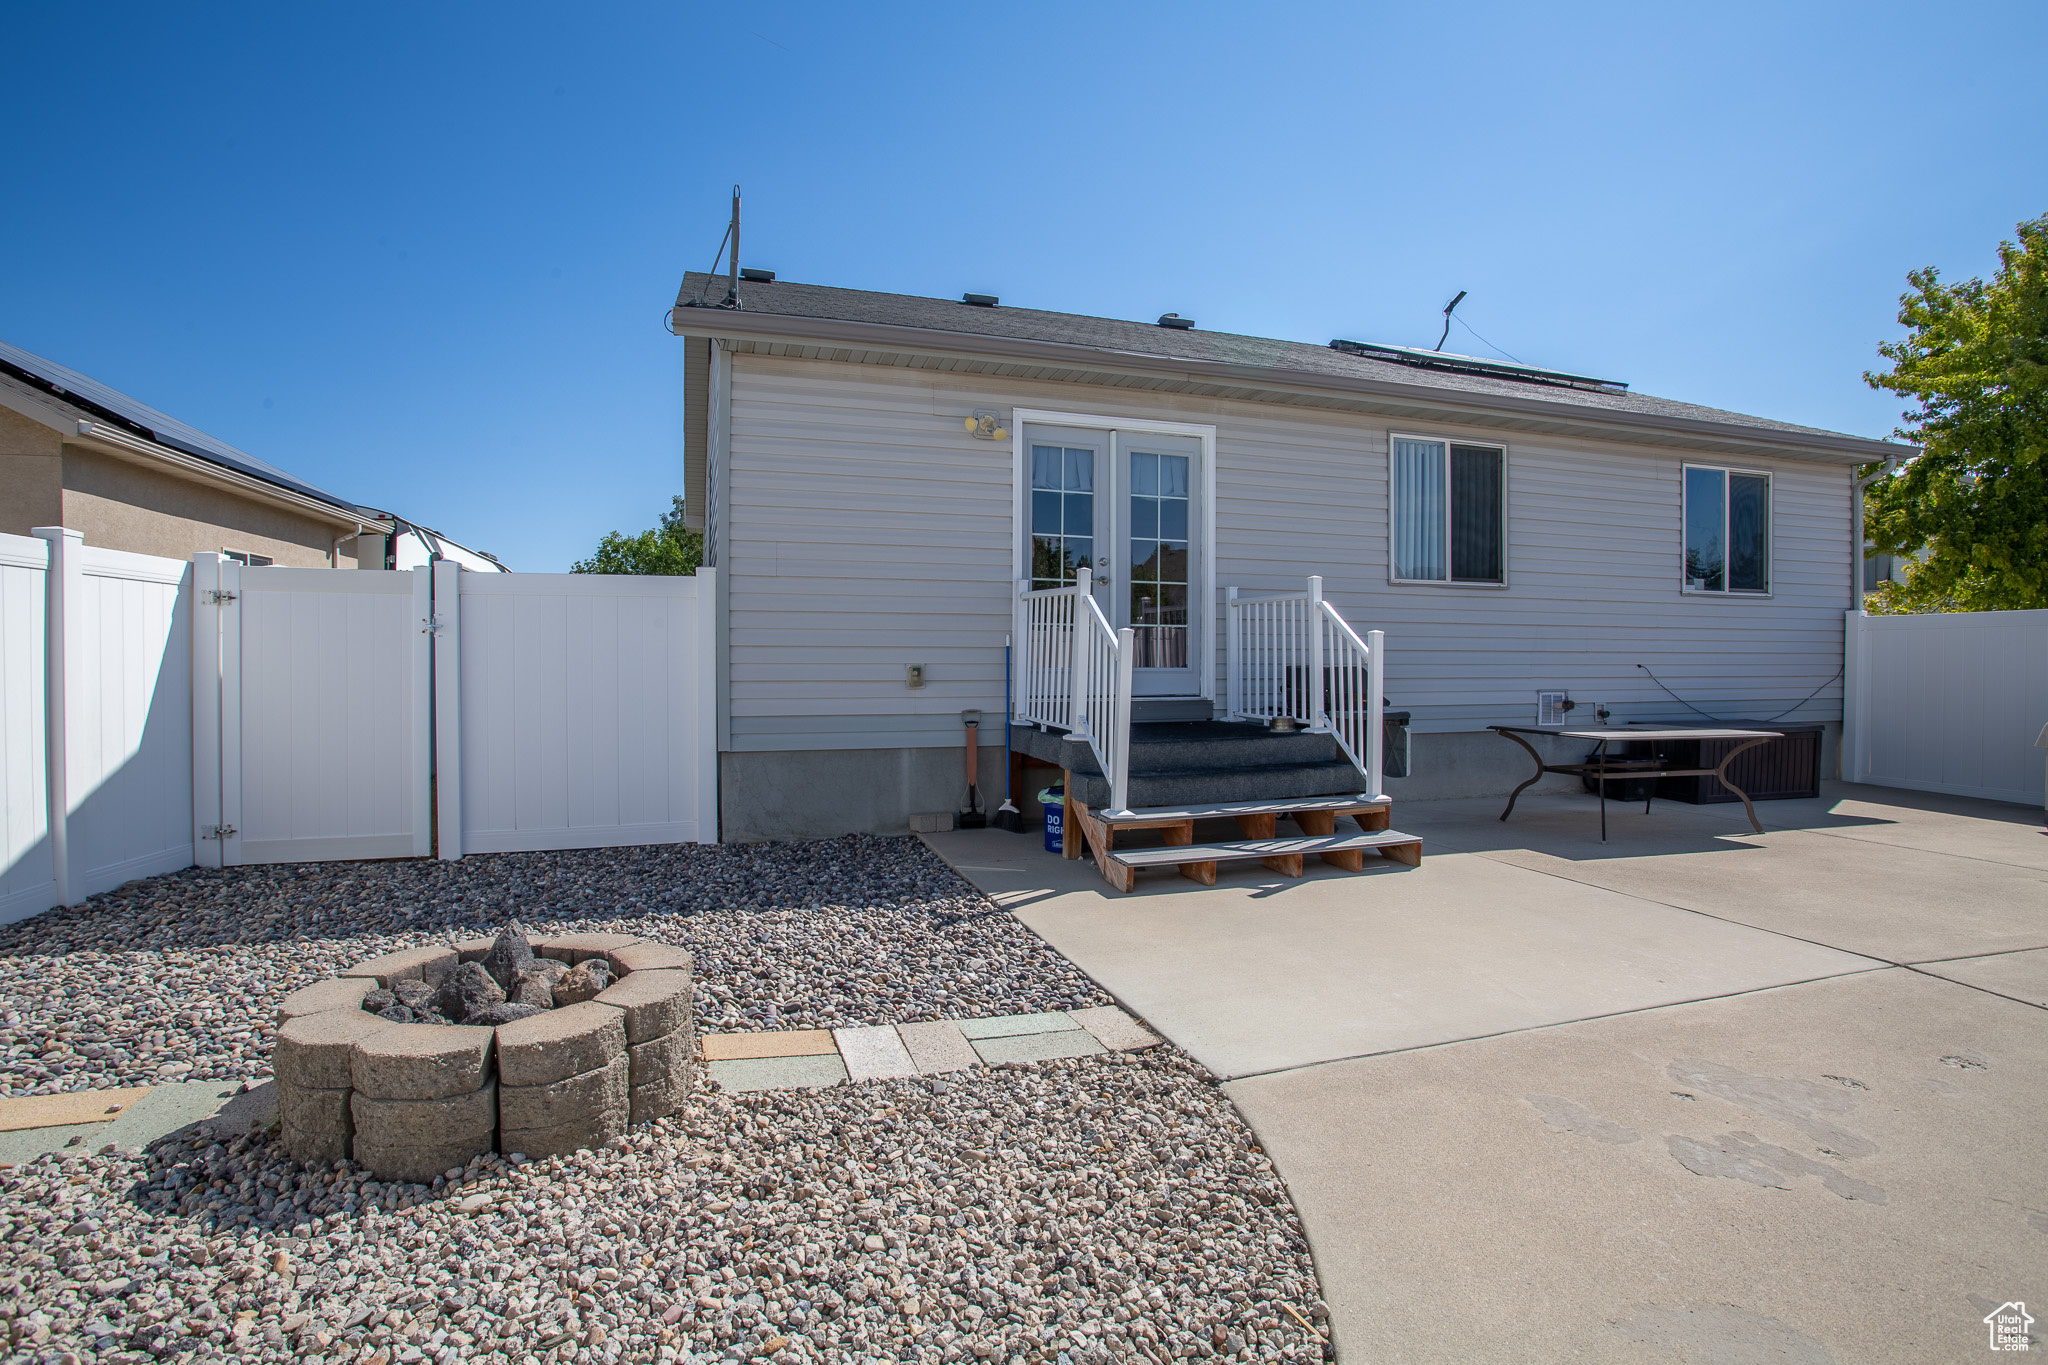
x: 178, y: 977
x: 1097, y: 1209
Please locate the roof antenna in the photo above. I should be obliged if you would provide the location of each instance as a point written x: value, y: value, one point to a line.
x: 732, y: 261
x: 1439, y: 341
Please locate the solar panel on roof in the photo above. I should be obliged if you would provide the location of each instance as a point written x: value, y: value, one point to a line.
x: 164, y: 429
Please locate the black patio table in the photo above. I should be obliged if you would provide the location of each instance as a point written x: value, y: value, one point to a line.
x: 1604, y: 769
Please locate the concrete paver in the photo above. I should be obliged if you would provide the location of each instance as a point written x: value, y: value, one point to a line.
x: 1113, y: 1028
x: 938, y: 1046
x: 1795, y: 1175
x: 1037, y: 1047
x: 777, y: 1073
x: 808, y: 1042
x: 874, y: 1053
x: 55, y: 1111
x: 1006, y: 1025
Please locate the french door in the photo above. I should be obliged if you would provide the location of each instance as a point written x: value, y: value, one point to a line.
x: 1127, y: 505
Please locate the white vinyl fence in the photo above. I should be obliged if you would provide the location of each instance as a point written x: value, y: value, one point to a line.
x: 1948, y: 702
x: 95, y: 719
x: 564, y: 711
x: 584, y: 711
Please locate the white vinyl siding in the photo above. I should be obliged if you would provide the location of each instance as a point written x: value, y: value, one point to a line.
x: 869, y: 531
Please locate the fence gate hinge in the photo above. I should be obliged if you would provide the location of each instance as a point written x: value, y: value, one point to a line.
x: 216, y: 596
x: 222, y: 832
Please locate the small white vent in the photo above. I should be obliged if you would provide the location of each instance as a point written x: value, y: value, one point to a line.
x: 1551, y: 707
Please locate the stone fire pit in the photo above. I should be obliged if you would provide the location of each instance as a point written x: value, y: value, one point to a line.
x: 412, y: 1063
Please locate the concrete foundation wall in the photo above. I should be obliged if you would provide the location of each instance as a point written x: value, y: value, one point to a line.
x: 824, y: 793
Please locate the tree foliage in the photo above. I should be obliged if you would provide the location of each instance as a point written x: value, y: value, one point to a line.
x: 1974, y: 506
x: 670, y: 548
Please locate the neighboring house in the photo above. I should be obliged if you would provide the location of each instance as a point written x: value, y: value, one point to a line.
x: 76, y: 453
x: 1511, y: 529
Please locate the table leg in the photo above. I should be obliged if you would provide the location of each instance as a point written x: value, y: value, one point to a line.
x: 1721, y: 776
x: 1534, y: 756
x: 1601, y: 780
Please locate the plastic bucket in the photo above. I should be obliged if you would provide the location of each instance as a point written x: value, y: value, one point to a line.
x: 1055, y: 802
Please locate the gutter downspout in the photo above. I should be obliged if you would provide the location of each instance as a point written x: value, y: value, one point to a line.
x: 1857, y: 538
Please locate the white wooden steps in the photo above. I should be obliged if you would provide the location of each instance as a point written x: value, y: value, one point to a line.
x: 1256, y: 820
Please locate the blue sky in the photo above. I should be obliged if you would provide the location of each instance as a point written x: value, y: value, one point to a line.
x: 420, y: 254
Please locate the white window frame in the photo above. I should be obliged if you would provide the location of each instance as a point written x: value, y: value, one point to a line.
x: 1727, y: 541
x: 1393, y: 493
x: 1204, y: 666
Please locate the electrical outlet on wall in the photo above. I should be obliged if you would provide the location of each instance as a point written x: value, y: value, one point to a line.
x: 913, y: 675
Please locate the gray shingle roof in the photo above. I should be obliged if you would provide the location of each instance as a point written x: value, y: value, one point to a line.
x: 1117, y: 336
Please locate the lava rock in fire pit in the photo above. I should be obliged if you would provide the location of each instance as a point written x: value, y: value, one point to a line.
x: 397, y: 1014
x: 416, y: 996
x: 502, y: 1013
x: 508, y: 957
x: 585, y: 981
x: 535, y: 988
x: 379, y: 1000
x: 467, y: 990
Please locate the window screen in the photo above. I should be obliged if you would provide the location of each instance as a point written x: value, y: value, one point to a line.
x: 1449, y: 515
x: 1475, y: 514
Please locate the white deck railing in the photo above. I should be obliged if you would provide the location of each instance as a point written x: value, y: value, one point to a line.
x: 1292, y: 654
x: 1074, y: 674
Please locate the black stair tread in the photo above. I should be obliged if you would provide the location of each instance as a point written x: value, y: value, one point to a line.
x: 1286, y: 805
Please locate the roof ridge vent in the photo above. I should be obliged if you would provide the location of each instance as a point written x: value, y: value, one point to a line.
x: 1475, y: 365
x: 981, y: 300
x: 1175, y: 321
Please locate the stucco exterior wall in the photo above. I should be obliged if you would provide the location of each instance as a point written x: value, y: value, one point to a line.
x: 31, y: 474
x: 125, y: 506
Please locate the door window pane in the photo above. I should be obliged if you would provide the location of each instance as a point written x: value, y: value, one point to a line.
x: 1062, y: 513
x: 1706, y: 514
x: 1476, y: 514
x: 1159, y: 560
x: 1419, y: 509
x: 1748, y: 533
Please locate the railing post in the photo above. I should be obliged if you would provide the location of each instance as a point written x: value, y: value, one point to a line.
x: 1084, y: 578
x: 1375, y: 734
x: 1231, y: 693
x: 1020, y: 649
x: 1318, y: 714
x: 1120, y: 735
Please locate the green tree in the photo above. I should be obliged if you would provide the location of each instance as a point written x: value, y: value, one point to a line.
x: 670, y: 548
x: 1974, y: 506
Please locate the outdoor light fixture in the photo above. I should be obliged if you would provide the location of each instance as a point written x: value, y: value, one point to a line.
x: 986, y: 426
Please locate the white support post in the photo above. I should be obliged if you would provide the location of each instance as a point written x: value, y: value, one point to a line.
x: 63, y: 659
x: 205, y: 708
x: 1235, y: 700
x: 229, y: 728
x: 1318, y: 715
x: 1084, y: 580
x: 447, y: 616
x: 423, y: 712
x: 1120, y: 737
x: 1020, y: 648
x: 1855, y: 687
x: 1375, y: 704
x: 707, y: 706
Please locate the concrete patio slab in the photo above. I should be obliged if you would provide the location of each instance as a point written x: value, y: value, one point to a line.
x: 1263, y: 972
x: 2023, y: 976
x: 1840, y: 1171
